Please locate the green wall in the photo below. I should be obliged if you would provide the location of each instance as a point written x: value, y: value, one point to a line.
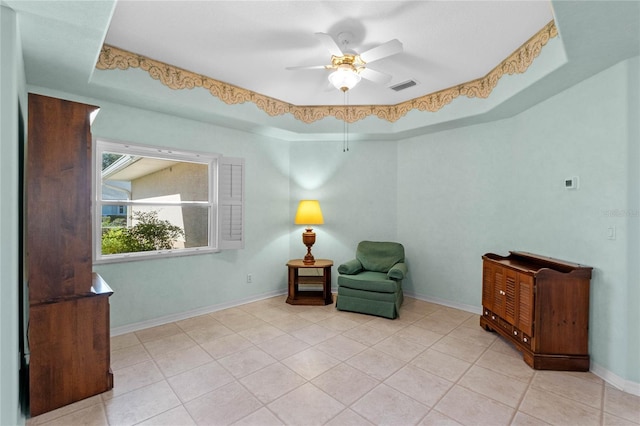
x: 633, y: 222
x: 499, y: 186
x: 11, y: 93
x: 357, y: 194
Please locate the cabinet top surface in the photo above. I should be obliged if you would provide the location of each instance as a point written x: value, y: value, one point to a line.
x: 319, y: 263
x: 532, y: 263
x: 36, y: 98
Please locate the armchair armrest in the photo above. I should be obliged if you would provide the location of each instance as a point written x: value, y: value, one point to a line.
x: 398, y: 271
x: 351, y: 267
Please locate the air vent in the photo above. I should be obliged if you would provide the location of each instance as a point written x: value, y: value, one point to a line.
x: 404, y: 85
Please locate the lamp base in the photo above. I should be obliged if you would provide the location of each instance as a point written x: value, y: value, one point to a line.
x: 308, y: 239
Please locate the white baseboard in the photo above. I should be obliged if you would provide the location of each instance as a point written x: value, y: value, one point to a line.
x: 614, y: 380
x: 116, y: 331
x: 463, y: 307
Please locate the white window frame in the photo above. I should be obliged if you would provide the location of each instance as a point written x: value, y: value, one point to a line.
x: 223, y: 171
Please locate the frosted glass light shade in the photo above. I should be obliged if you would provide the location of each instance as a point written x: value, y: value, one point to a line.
x: 344, y: 79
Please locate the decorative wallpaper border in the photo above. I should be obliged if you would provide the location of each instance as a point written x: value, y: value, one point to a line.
x: 176, y: 78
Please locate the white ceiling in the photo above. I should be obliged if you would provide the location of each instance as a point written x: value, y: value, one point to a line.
x: 249, y: 43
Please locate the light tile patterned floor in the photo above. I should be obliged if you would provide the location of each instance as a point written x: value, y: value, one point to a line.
x: 270, y: 363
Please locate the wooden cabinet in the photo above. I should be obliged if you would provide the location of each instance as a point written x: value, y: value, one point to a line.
x: 68, y: 330
x: 541, y: 305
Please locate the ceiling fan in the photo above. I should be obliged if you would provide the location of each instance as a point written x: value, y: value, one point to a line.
x: 349, y: 67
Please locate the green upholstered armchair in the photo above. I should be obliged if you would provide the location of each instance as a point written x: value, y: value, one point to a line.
x: 372, y: 282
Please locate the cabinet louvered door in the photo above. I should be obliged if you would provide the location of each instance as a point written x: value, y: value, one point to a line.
x: 487, y: 286
x: 525, y: 304
x: 231, y: 203
x: 510, y: 280
x: 498, y: 290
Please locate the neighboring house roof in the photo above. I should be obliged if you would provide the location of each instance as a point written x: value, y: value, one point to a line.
x: 130, y: 167
x: 117, y: 191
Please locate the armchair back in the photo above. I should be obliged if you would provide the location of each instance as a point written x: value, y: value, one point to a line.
x: 379, y: 256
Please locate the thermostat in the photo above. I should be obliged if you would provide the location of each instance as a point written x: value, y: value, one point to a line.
x: 571, y: 182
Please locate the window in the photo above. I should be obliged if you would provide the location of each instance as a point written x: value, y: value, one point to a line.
x: 153, y: 202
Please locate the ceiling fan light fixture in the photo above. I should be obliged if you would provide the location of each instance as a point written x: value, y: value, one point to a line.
x: 344, y: 78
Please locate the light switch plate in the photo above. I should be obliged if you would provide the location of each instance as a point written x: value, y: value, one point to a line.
x: 571, y: 182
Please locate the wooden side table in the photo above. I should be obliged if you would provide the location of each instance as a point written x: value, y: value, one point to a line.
x: 310, y: 297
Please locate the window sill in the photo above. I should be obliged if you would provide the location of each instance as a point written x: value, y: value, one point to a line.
x: 164, y: 254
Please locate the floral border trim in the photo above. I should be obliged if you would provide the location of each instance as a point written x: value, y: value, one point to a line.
x: 176, y: 78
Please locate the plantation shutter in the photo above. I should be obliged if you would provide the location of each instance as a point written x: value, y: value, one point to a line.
x: 231, y: 203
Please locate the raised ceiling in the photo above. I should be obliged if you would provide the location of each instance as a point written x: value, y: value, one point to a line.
x: 249, y: 44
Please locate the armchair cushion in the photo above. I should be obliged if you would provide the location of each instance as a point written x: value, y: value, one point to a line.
x: 369, y: 281
x: 351, y: 267
x: 379, y: 256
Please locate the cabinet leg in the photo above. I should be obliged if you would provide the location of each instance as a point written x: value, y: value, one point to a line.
x: 484, y: 324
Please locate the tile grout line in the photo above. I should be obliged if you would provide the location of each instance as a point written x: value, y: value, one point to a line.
x: 523, y: 396
x: 456, y: 382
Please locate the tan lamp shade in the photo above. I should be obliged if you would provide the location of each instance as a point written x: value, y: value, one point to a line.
x: 309, y: 213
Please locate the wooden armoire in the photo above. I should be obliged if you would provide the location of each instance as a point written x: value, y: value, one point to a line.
x: 68, y: 329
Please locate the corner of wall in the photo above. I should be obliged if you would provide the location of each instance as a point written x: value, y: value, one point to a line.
x: 12, y: 90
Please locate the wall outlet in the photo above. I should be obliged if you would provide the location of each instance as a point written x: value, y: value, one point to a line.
x: 249, y: 278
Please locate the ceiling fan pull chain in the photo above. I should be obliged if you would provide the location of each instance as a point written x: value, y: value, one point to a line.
x: 344, y: 136
x: 345, y: 125
x: 344, y: 122
x: 347, y: 93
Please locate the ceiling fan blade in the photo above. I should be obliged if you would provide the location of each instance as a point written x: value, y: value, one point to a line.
x: 389, y: 48
x: 312, y: 67
x: 375, y: 76
x: 330, y: 44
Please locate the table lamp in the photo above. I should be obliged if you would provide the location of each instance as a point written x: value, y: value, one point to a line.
x: 309, y: 213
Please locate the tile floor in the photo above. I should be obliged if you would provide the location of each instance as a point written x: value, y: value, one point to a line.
x: 270, y: 363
